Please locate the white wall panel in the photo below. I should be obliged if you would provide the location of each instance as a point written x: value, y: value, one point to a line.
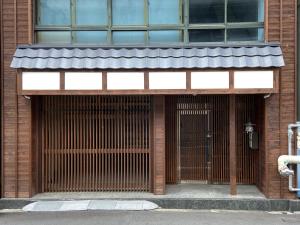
x: 125, y: 81
x: 40, y: 80
x: 167, y: 80
x: 210, y: 80
x: 83, y: 81
x: 253, y: 79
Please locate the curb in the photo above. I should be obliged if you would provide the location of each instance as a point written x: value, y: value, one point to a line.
x: 197, y: 204
x: 14, y: 203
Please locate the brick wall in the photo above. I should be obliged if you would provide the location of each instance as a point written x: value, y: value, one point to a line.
x: 16, y: 110
x: 281, y: 108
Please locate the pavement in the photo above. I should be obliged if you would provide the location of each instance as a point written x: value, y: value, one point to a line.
x: 156, y: 217
x: 81, y: 205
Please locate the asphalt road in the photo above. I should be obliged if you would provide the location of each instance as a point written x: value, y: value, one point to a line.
x: 158, y: 217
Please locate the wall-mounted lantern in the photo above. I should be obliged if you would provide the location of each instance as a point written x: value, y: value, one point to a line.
x: 252, y: 135
x: 249, y: 127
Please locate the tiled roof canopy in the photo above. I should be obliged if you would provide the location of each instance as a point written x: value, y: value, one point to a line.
x: 40, y: 57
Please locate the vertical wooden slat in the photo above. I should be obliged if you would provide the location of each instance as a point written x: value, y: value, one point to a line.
x: 232, y: 144
x: 127, y: 144
x: 99, y: 163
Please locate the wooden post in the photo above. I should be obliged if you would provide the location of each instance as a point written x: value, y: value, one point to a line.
x: 232, y: 144
x: 159, y: 176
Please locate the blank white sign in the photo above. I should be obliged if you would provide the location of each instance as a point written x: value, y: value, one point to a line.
x: 210, y: 80
x: 125, y: 81
x: 253, y: 79
x: 40, y: 81
x: 83, y: 81
x: 167, y: 80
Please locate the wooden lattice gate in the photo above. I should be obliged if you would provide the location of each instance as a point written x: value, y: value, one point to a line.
x: 96, y: 143
x: 197, y: 138
x: 203, y: 138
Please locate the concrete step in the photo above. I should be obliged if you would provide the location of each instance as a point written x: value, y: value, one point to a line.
x: 81, y: 205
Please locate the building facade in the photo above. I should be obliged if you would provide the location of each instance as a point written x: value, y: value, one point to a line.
x: 123, y: 95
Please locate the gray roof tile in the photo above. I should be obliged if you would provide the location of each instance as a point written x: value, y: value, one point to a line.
x: 31, y: 57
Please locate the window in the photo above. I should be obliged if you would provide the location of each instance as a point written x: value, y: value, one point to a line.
x: 208, y: 11
x: 128, y: 12
x: 91, y: 12
x: 245, y: 11
x: 54, y: 12
x: 226, y: 20
x: 164, y: 12
x: 131, y: 22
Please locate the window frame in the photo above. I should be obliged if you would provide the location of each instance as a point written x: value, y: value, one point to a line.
x: 184, y: 27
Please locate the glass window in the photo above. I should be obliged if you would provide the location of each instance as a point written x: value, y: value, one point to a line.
x: 54, y: 12
x: 164, y: 12
x: 128, y: 37
x: 128, y: 12
x: 208, y: 11
x: 250, y: 34
x: 206, y: 35
x: 91, y: 12
x: 165, y: 36
x: 90, y: 37
x: 245, y: 11
x: 149, y: 21
x: 54, y: 37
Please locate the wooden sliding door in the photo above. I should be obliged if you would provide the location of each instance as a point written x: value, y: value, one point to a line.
x: 96, y: 143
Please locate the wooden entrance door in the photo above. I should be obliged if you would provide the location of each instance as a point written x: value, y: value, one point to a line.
x: 195, y: 152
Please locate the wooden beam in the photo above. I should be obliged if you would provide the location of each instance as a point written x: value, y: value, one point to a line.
x: 188, y: 80
x: 146, y: 80
x: 159, y: 175
x: 231, y: 81
x: 232, y: 144
x: 104, y: 81
x: 62, y: 81
x: 147, y: 92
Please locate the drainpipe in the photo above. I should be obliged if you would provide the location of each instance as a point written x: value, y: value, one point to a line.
x: 298, y: 85
x: 298, y: 173
x: 285, y: 160
x: 298, y: 154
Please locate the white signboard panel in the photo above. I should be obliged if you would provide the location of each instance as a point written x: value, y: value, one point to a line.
x: 253, y: 79
x: 40, y: 81
x: 83, y: 81
x: 167, y: 80
x: 210, y: 80
x: 125, y: 81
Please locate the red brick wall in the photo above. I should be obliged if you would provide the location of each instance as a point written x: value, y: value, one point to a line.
x: 280, y: 109
x: 16, y: 110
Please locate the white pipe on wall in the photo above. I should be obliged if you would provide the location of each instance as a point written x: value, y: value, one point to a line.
x: 284, y: 161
